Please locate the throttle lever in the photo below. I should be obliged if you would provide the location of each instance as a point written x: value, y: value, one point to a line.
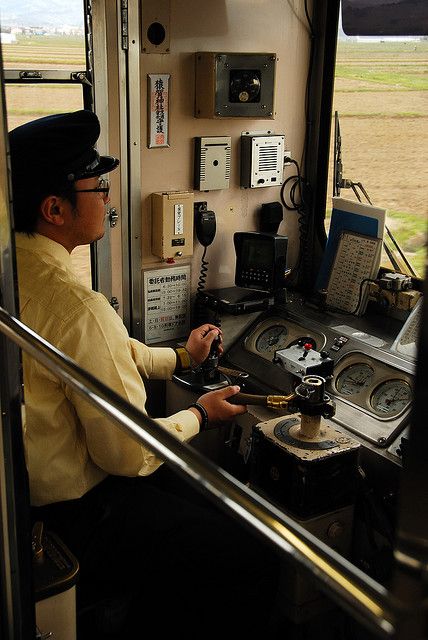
x: 272, y: 402
x: 309, y: 398
x: 209, y: 367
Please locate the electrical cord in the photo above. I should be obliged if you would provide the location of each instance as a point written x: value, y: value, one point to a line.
x: 297, y: 203
x: 299, y: 189
x: 200, y: 309
x: 203, y: 272
x: 360, y: 295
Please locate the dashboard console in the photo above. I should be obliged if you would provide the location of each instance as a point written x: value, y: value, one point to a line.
x: 370, y: 385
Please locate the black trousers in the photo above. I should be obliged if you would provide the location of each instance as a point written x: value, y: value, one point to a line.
x: 194, y: 570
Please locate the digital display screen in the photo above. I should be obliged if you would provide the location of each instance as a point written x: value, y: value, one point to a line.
x: 260, y: 260
x: 257, y: 253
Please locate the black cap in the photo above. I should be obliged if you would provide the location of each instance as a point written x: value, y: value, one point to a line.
x: 60, y: 145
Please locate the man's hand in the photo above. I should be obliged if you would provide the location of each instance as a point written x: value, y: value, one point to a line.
x: 217, y: 406
x: 200, y: 340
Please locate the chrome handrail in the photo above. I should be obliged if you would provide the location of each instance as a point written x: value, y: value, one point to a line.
x: 363, y: 597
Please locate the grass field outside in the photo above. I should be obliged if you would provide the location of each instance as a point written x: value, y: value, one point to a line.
x: 381, y: 95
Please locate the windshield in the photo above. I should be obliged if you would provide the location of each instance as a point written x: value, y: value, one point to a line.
x: 381, y: 97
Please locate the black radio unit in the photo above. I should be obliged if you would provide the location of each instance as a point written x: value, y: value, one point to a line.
x: 260, y: 260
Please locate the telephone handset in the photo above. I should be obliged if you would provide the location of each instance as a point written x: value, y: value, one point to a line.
x: 205, y: 227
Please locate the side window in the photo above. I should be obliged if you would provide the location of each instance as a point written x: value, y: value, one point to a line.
x: 380, y: 96
x: 46, y: 70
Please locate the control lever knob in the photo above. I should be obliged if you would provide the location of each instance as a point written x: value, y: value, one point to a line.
x: 210, y: 365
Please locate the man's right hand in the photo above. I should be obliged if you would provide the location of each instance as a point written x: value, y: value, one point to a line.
x: 217, y: 406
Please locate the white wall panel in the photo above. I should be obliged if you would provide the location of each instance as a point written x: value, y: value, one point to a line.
x: 231, y: 26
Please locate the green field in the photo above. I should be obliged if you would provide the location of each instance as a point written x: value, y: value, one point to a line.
x: 50, y: 50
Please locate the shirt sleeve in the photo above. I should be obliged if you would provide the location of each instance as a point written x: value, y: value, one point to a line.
x: 98, y: 341
x: 153, y: 362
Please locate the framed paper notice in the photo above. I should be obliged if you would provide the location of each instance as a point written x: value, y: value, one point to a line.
x: 158, y: 106
x: 167, y: 303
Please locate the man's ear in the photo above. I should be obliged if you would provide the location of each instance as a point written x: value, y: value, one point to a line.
x: 52, y: 210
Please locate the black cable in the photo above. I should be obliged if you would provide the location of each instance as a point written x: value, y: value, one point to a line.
x: 297, y: 203
x: 334, y: 309
x: 360, y: 295
x: 201, y: 312
x: 307, y: 88
x: 308, y: 18
x: 203, y: 272
x: 299, y: 186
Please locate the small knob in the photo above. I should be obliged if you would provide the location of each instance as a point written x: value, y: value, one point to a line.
x: 306, y: 348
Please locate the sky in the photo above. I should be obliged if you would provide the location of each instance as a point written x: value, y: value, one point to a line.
x: 31, y: 13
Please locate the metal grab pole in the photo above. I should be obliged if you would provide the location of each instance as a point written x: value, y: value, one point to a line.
x: 364, y: 598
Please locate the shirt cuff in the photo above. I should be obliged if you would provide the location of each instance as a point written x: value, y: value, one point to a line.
x: 184, y: 424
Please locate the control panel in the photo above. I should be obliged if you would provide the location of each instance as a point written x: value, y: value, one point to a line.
x: 370, y: 385
x: 301, y: 360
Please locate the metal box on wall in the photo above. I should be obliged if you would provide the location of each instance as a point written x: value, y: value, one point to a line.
x: 230, y: 85
x: 212, y: 162
x: 172, y: 224
x: 262, y: 160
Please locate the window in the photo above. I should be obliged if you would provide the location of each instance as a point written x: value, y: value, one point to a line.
x: 44, y: 60
x: 381, y: 96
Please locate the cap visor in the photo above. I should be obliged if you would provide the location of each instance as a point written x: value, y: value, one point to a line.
x: 105, y: 165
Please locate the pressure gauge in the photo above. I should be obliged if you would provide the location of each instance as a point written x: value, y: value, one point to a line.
x: 354, y: 379
x: 391, y: 397
x: 272, y: 339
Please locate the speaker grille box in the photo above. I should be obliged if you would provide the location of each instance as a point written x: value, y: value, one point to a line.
x: 262, y: 160
x: 234, y: 85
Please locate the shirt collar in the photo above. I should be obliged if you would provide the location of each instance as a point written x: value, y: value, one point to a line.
x: 42, y: 245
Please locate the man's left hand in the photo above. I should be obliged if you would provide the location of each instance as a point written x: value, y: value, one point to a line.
x: 200, y: 340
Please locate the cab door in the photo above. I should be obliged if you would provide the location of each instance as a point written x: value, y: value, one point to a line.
x: 54, y: 67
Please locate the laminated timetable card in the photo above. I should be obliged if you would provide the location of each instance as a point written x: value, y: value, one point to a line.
x: 356, y: 262
x: 167, y: 303
x: 352, y: 217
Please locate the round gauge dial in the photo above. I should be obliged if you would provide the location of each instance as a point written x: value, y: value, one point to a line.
x: 272, y: 339
x: 391, y: 397
x: 354, y: 379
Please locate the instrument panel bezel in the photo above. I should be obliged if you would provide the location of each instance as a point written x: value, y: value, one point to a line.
x: 357, y: 418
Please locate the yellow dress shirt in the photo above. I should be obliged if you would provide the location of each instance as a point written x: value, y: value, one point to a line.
x: 70, y: 446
